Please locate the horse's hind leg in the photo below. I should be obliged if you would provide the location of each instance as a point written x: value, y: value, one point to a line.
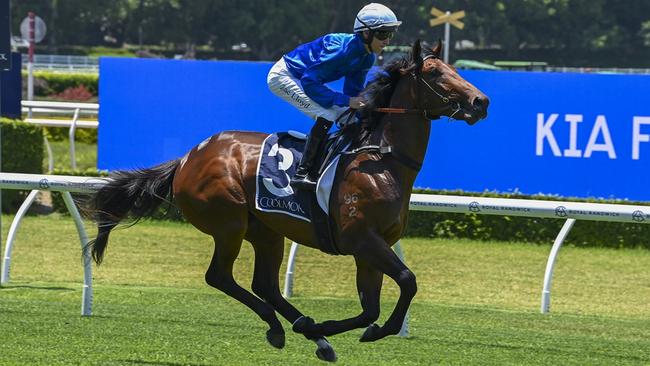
x: 219, y: 275
x: 269, y: 251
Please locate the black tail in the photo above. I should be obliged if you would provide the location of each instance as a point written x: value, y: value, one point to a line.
x: 129, y: 194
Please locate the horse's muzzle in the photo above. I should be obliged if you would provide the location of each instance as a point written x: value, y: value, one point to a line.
x: 480, y: 106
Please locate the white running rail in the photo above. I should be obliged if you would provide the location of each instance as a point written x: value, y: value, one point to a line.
x: 65, y: 185
x: 569, y: 211
x: 65, y: 63
x: 45, y: 110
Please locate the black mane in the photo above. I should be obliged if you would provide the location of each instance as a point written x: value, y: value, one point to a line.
x: 378, y: 93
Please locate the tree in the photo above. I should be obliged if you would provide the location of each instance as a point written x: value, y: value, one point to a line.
x: 567, y: 31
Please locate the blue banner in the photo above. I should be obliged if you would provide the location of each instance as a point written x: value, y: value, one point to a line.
x: 153, y: 110
x: 581, y: 135
x: 11, y: 88
x: 571, y: 135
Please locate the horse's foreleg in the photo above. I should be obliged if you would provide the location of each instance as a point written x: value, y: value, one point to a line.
x: 381, y: 257
x: 219, y: 275
x: 369, y: 281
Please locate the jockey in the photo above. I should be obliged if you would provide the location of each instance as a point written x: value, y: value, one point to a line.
x: 299, y: 77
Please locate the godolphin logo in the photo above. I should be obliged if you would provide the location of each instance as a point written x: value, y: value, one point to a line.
x: 474, y: 207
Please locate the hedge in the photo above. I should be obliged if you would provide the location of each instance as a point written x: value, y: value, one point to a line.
x: 49, y: 82
x: 86, y: 135
x: 525, y: 229
x: 22, y: 152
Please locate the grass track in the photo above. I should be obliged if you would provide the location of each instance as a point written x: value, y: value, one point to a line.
x: 86, y: 155
x: 477, y: 304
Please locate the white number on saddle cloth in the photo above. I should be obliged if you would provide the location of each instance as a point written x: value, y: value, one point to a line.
x: 283, y: 166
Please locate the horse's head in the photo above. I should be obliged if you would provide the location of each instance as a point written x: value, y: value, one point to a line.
x: 441, y: 90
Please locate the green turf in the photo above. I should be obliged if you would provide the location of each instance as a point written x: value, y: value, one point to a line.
x: 477, y: 304
x: 86, y: 155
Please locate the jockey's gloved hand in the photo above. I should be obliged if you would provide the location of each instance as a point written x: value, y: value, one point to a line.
x: 348, y: 117
x: 357, y: 102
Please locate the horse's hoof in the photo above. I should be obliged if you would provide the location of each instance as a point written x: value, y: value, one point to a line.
x: 325, y: 351
x: 275, y: 339
x: 372, y: 333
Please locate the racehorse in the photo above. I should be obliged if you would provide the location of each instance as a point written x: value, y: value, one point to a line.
x: 214, y: 188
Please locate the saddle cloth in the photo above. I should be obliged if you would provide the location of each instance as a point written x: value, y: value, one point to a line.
x: 279, y: 158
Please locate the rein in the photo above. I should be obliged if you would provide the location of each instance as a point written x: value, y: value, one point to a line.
x: 430, y: 114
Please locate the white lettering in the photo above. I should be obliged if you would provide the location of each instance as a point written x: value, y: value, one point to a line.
x: 283, y: 165
x: 266, y: 202
x: 572, y: 151
x: 600, y: 127
x: 637, y: 136
x: 544, y: 132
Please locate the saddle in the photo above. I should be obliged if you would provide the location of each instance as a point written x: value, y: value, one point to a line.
x: 279, y: 157
x: 336, y: 144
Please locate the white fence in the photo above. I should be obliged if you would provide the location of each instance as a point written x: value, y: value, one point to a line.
x: 65, y: 185
x: 570, y: 211
x: 64, y: 63
x: 42, y: 112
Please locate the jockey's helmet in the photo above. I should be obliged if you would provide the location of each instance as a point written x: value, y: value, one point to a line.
x: 376, y: 17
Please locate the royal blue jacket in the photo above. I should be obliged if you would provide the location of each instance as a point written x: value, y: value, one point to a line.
x: 330, y: 58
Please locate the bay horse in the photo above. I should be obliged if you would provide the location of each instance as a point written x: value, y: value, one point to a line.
x: 214, y: 188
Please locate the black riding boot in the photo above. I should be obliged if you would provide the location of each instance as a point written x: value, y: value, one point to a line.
x: 303, y: 179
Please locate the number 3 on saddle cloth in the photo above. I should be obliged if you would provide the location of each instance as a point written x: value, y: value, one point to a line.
x: 279, y: 158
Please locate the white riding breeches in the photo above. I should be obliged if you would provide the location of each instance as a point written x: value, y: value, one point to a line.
x: 286, y: 86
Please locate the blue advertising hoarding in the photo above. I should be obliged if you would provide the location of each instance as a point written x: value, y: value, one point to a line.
x: 582, y: 135
x: 11, y: 87
x: 154, y: 110
x: 572, y: 135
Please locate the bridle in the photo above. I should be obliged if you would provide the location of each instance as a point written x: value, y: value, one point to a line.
x: 455, y: 105
x: 429, y: 114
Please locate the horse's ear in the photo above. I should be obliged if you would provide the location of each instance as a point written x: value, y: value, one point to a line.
x: 416, y: 54
x: 427, y: 51
x: 437, y: 48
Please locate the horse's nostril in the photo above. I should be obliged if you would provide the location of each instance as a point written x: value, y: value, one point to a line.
x: 478, y: 102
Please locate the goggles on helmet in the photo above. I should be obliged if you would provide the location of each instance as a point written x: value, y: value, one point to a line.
x: 382, y: 35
